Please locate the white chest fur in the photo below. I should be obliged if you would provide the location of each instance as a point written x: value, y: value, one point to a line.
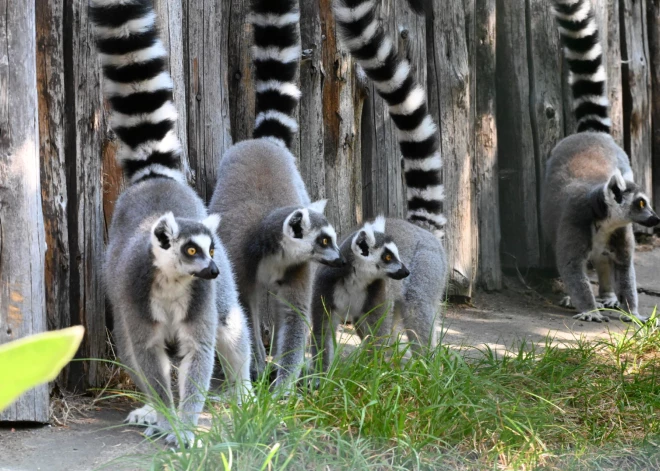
x: 600, y: 238
x: 170, y: 298
x: 349, y: 298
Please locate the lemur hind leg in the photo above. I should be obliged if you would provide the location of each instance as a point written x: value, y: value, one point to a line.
x: 606, y: 296
x: 235, y: 351
x: 572, y: 263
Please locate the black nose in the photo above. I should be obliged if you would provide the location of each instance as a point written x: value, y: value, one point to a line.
x: 209, y: 272
x: 400, y: 274
x: 654, y: 220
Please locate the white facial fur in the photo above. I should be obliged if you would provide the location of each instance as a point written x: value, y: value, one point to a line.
x: 371, y: 267
x: 168, y: 248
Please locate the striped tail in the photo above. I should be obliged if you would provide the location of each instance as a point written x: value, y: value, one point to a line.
x: 367, y: 41
x: 276, y: 58
x: 139, y: 88
x: 584, y: 54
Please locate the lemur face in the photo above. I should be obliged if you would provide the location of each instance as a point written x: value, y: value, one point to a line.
x: 627, y: 203
x: 309, y: 235
x: 376, y: 255
x: 183, y: 247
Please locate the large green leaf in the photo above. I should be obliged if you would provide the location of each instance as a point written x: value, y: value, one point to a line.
x: 30, y: 361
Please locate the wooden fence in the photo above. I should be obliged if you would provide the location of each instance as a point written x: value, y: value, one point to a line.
x: 494, y: 74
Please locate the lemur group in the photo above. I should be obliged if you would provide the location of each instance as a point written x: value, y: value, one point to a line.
x: 185, y: 279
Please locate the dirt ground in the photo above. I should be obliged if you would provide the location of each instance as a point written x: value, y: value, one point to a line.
x: 525, y: 310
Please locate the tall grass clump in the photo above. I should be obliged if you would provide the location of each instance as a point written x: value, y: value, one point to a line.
x: 579, y: 406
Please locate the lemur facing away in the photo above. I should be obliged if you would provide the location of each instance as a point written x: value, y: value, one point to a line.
x: 589, y: 200
x: 371, y: 251
x: 270, y: 227
x: 167, y: 277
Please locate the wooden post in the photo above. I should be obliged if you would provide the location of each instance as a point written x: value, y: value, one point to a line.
x: 22, y: 236
x: 209, y: 128
x: 481, y: 35
x: 172, y: 32
x: 450, y: 101
x: 654, y: 50
x: 84, y: 137
x: 637, y: 93
x: 518, y: 179
x: 607, y: 13
x: 341, y: 123
x: 52, y: 116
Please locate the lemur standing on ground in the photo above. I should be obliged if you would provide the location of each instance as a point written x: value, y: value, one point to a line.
x: 270, y: 227
x: 386, y: 250
x: 167, y: 276
x: 589, y: 200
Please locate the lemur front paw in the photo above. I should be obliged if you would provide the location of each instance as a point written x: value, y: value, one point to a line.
x: 145, y: 415
x: 608, y: 301
x: 184, y: 439
x: 591, y: 316
x: 566, y: 302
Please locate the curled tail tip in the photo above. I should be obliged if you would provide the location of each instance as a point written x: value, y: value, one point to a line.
x: 138, y: 87
x: 584, y: 54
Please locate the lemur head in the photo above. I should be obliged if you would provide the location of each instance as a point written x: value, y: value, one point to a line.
x: 309, y: 235
x: 623, y: 202
x: 184, y: 247
x: 375, y: 255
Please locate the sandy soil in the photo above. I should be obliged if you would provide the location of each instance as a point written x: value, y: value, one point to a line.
x: 523, y: 312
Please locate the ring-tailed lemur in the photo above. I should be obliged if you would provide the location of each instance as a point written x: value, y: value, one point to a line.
x: 366, y: 290
x: 363, y: 285
x: 589, y: 200
x: 167, y: 277
x: 270, y: 227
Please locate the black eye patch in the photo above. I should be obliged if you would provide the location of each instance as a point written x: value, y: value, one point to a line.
x: 323, y: 240
x: 387, y: 257
x: 191, y: 250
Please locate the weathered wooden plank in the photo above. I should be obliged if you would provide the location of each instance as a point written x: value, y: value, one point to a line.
x: 518, y: 180
x: 607, y: 12
x: 50, y: 87
x: 654, y: 51
x: 171, y: 23
x: 546, y: 97
x: 312, y: 164
x: 637, y: 93
x: 22, y: 235
x: 450, y: 101
x: 241, y: 81
x: 481, y: 40
x: 341, y: 145
x: 209, y: 127
x: 85, y: 132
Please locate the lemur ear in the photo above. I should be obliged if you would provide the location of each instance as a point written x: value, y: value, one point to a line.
x: 294, y: 226
x: 212, y: 222
x: 165, y: 229
x: 379, y: 224
x: 318, y: 206
x: 616, y: 186
x: 360, y: 244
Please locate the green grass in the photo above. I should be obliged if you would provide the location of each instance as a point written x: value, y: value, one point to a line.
x: 587, y: 406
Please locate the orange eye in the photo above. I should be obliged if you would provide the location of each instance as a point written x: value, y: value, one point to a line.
x: 324, y: 242
x: 642, y: 204
x: 387, y: 258
x: 191, y: 251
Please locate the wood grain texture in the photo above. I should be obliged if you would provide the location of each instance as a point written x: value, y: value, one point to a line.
x: 482, y: 42
x: 654, y: 51
x: 341, y: 123
x: 52, y: 153
x: 171, y: 22
x: 637, y: 93
x: 22, y: 235
x: 85, y: 135
x: 209, y: 127
x: 450, y: 102
x: 518, y: 180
